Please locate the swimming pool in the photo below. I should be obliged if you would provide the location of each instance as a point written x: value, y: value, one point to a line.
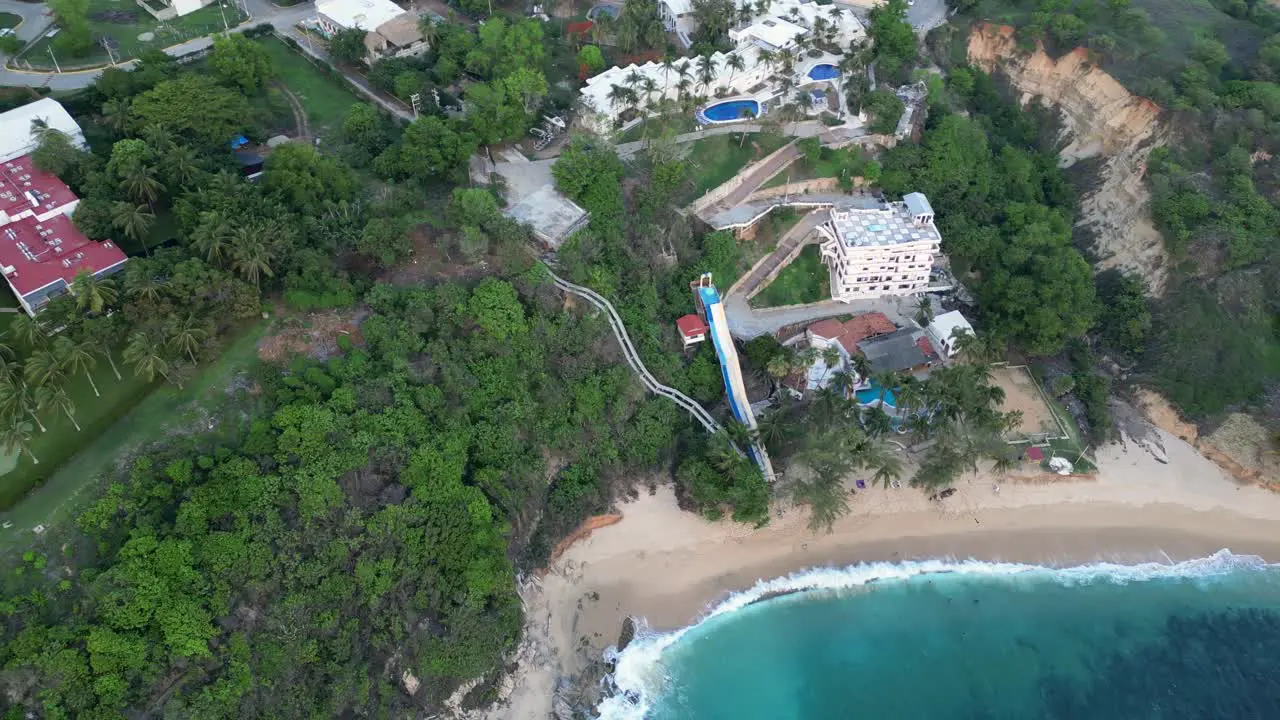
x: 872, y: 394
x: 824, y: 71
x: 728, y: 111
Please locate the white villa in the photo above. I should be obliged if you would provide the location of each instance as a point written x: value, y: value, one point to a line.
x: 874, y: 248
x: 781, y: 50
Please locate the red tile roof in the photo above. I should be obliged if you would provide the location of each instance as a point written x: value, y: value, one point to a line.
x: 854, y: 330
x: 36, y: 254
x: 21, y: 184
x: 1035, y: 454
x: 691, y: 326
x: 925, y: 346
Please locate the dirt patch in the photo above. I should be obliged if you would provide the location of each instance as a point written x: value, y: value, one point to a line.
x: 119, y: 17
x: 583, y: 532
x: 1021, y: 394
x: 314, y: 334
x: 1240, y: 445
x: 430, y: 264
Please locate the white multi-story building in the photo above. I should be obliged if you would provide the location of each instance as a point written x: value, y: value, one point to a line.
x: 874, y: 248
x: 390, y: 31
x: 766, y: 62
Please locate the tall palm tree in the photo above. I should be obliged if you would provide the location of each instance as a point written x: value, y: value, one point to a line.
x: 28, y: 331
x: 213, y: 235
x: 144, y: 354
x: 134, y: 220
x: 860, y: 365
x: 139, y: 181
x: 15, y: 436
x: 93, y: 293
x: 251, y: 257
x: 924, y: 310
x: 668, y: 63
x: 55, y: 396
x: 887, y: 381
x: 115, y: 115
x: 43, y: 368
x: 706, y: 71
x: 16, y: 401
x: 736, y: 65
x: 187, y: 335
x: 182, y: 165
x: 158, y: 138
x: 101, y: 334
x: 77, y: 357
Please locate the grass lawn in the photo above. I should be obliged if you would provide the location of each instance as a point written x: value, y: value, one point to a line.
x: 9, y: 20
x: 325, y: 100
x: 716, y: 159
x: 830, y: 164
x: 115, y: 433
x: 124, y: 22
x: 675, y: 124
x: 62, y: 440
x: 805, y: 280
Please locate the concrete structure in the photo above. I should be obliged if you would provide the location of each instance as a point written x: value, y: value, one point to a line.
x: 169, y: 9
x: 945, y: 330
x: 41, y: 250
x: 552, y: 216
x: 692, y: 330
x: 876, y: 248
x: 779, y: 31
x: 19, y: 136
x: 390, y: 30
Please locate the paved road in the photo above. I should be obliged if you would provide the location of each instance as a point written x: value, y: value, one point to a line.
x: 746, y: 322
x: 283, y: 19
x: 34, y: 18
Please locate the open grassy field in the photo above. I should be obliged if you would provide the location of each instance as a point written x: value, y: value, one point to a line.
x: 166, y: 407
x: 715, y: 159
x: 131, y: 31
x: 804, y: 280
x: 324, y: 99
x: 657, y: 126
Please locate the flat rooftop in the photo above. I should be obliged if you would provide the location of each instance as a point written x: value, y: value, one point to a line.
x: 35, y: 254
x: 552, y: 216
x: 24, y: 187
x: 364, y: 14
x: 889, y: 224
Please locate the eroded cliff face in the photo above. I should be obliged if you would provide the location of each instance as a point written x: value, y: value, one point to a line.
x: 1100, y: 119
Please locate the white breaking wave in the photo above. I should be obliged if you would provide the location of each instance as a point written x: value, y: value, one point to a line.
x: 639, y: 676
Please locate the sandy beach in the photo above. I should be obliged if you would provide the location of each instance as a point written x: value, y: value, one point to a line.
x: 1154, y: 501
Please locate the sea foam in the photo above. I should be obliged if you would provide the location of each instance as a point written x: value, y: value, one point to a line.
x: 639, y: 675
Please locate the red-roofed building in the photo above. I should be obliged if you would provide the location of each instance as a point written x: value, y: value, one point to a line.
x: 41, y: 250
x: 692, y: 329
x: 851, y: 332
x: 1035, y: 454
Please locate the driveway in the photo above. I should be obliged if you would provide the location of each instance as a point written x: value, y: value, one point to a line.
x: 746, y: 322
x: 34, y: 18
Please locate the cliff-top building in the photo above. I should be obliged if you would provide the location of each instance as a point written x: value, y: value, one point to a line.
x: 874, y: 248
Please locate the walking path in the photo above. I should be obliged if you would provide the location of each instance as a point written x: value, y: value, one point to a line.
x: 632, y: 357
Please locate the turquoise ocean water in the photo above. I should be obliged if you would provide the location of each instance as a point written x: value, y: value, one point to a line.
x: 939, y: 640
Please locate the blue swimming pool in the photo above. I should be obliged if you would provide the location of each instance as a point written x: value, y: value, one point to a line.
x: 872, y: 394
x: 728, y: 111
x: 825, y: 71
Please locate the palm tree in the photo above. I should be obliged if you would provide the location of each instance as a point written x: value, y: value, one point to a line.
x: 77, y: 357
x: 887, y: 381
x: 140, y: 182
x: 924, y: 310
x: 133, y: 220
x: 187, y: 336
x: 15, y: 436
x: 212, y: 235
x: 158, y: 138
x: 101, y: 335
x: 42, y: 368
x: 28, y: 331
x: 860, y: 365
x: 55, y: 396
x: 876, y: 421
x: 92, y: 292
x: 736, y: 65
x: 16, y: 400
x: 182, y: 165
x: 779, y: 366
x: 250, y: 256
x: 668, y: 62
x: 144, y: 355
x: 706, y: 71
x: 115, y: 115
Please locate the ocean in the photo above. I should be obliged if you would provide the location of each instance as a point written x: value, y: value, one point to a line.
x: 971, y: 640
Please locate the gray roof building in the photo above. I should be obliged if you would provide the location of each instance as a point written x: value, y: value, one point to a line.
x: 899, y: 351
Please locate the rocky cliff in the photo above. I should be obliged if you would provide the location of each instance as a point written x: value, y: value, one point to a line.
x: 1100, y: 119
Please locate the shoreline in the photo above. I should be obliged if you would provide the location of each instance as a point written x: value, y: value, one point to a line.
x: 1152, y: 501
